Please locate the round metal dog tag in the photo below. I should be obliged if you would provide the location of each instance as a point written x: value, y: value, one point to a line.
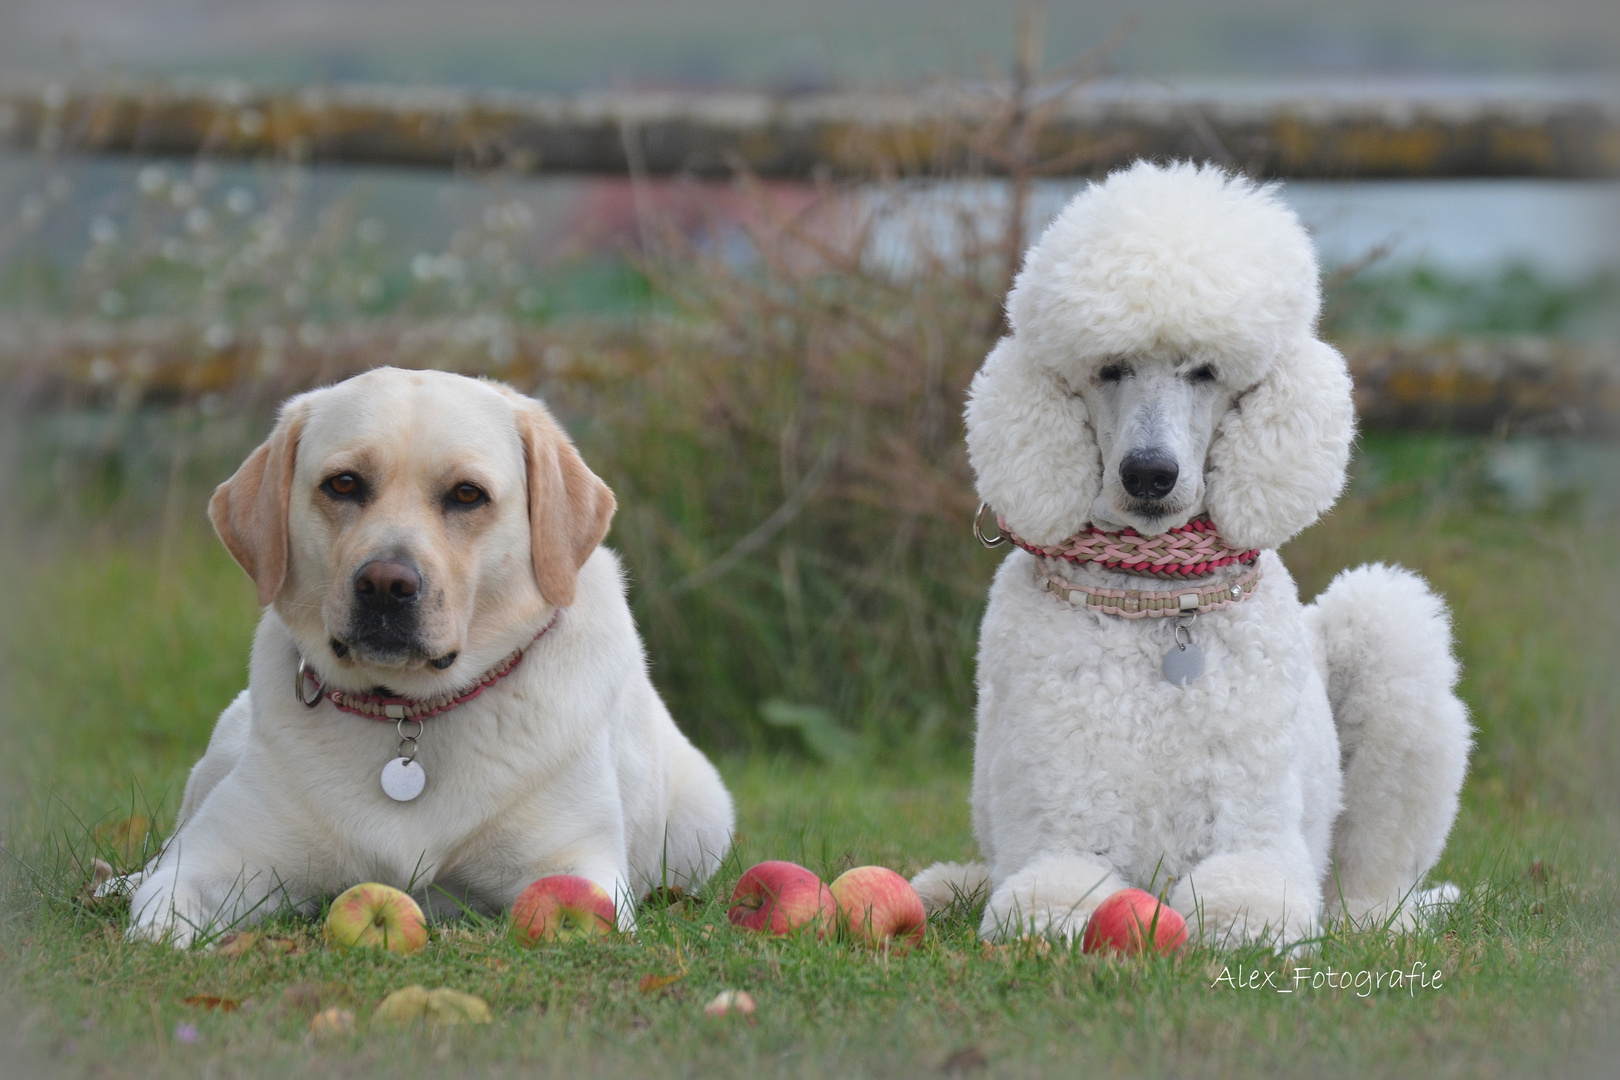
x: 403, y: 779
x: 1183, y: 663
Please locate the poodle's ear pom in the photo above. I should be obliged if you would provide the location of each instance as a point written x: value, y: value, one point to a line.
x: 1031, y: 445
x: 1278, y: 458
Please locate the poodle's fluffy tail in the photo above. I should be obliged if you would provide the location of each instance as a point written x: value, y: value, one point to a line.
x: 1383, y: 642
x: 948, y: 883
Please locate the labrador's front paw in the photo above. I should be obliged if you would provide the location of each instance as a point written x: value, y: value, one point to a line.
x: 163, y: 912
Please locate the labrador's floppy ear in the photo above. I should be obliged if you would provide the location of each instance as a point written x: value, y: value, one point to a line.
x: 1032, y: 447
x: 249, y: 511
x: 570, y: 507
x: 1278, y: 458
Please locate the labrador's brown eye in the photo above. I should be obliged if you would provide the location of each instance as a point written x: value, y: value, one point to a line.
x: 467, y: 494
x: 343, y: 486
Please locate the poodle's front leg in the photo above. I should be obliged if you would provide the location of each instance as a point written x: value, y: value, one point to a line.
x: 1249, y: 896
x: 1052, y: 895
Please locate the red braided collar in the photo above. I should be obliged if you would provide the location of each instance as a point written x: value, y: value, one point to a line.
x: 378, y: 707
x: 1188, y: 551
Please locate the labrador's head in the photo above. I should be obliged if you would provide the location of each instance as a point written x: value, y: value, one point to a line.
x: 1164, y: 363
x: 412, y: 527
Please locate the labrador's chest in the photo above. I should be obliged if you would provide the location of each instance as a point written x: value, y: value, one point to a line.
x: 479, y: 766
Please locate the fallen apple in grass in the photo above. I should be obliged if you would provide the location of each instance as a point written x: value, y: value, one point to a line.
x: 376, y: 916
x: 560, y: 907
x: 1132, y: 920
x: 781, y: 897
x: 877, y: 906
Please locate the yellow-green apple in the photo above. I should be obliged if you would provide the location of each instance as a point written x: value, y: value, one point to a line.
x: 877, y: 906
x: 781, y: 897
x: 559, y: 907
x: 1132, y: 920
x: 378, y: 916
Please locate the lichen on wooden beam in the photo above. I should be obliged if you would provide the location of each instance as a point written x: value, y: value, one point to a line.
x: 1303, y: 133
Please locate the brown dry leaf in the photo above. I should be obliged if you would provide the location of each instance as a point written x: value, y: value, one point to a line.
x: 236, y: 944
x: 439, y: 1006
x: 210, y: 1002
x: 667, y: 896
x: 101, y: 872
x: 651, y: 982
x: 731, y: 1002
x: 333, y: 1021
x: 968, y: 1059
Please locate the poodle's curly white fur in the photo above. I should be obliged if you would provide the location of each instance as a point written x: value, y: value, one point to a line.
x: 1168, y: 315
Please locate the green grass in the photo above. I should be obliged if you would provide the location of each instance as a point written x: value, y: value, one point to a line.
x: 120, y: 649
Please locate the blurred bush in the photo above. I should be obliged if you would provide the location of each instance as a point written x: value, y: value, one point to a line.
x: 1426, y: 303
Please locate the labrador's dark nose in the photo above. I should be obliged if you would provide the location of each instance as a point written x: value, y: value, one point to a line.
x: 385, y: 584
x: 1148, y: 474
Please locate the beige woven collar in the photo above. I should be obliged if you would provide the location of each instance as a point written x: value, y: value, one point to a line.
x: 1144, y: 604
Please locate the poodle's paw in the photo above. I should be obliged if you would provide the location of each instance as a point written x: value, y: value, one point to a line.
x: 1435, y: 901
x: 1051, y: 897
x: 1404, y: 914
x: 1232, y: 900
x: 948, y: 884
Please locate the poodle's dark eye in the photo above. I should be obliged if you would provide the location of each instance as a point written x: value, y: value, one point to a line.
x: 345, y: 486
x: 465, y: 496
x: 1202, y: 374
x: 1113, y: 373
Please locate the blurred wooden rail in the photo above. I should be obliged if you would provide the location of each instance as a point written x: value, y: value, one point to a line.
x: 1330, y: 133
x: 1519, y: 386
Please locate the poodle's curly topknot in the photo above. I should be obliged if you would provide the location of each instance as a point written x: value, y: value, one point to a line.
x: 1182, y: 255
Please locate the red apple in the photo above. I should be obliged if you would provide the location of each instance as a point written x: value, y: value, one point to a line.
x: 877, y: 906
x: 1131, y: 920
x: 559, y: 907
x: 781, y: 897
x: 373, y: 915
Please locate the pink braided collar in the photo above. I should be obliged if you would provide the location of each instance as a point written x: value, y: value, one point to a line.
x: 1188, y: 551
x: 378, y: 707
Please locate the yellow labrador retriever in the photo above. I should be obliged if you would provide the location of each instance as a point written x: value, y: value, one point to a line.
x: 447, y: 693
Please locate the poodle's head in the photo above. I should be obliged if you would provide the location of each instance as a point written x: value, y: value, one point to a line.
x: 1163, y: 362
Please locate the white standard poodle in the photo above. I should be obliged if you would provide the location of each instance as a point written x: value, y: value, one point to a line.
x: 1156, y: 707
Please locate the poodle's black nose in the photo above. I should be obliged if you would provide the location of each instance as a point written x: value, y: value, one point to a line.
x: 1148, y: 474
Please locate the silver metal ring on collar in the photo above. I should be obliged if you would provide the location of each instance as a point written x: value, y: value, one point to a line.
x: 303, y: 677
x: 1183, y: 625
x: 407, y: 743
x: 978, y: 529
